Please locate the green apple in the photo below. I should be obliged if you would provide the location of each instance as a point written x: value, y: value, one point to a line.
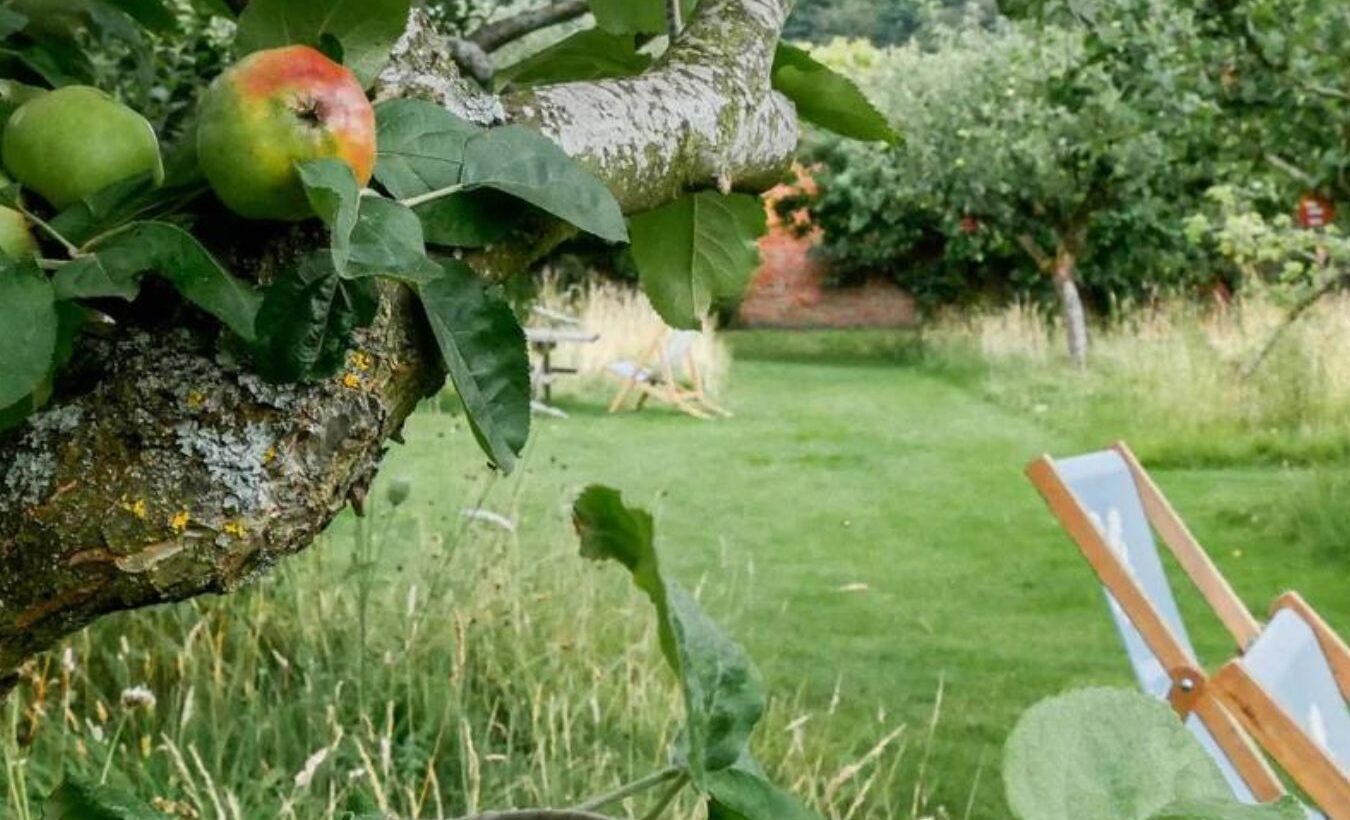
x: 13, y: 95
x: 75, y: 141
x: 272, y: 110
x: 16, y: 241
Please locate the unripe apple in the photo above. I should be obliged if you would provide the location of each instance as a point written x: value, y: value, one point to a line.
x: 272, y: 110
x: 16, y: 241
x: 75, y: 141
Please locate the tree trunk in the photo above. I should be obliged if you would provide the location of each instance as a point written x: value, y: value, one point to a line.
x: 1071, y: 305
x: 165, y: 469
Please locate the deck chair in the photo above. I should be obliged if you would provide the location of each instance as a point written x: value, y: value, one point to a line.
x: 668, y: 373
x: 1107, y: 503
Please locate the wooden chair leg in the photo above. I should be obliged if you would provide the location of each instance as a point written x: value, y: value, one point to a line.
x: 622, y: 395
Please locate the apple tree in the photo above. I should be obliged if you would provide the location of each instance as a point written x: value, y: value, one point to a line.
x: 215, y: 320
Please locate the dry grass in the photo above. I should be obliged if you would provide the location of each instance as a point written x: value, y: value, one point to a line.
x: 1171, y: 377
x: 628, y: 327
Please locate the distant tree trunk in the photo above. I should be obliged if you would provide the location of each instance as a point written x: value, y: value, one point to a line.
x: 1071, y: 305
x: 1063, y: 271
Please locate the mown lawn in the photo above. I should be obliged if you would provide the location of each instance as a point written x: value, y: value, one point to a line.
x: 864, y: 526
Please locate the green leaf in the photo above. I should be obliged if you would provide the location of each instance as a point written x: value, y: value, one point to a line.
x: 107, y: 209
x: 484, y: 350
x: 1105, y: 753
x: 697, y: 250
x: 1285, y: 809
x: 723, y: 695
x: 152, y: 14
x: 28, y: 343
x: 528, y: 165
x: 591, y: 54
x: 388, y: 242
x: 332, y: 190
x: 635, y: 16
x: 173, y: 254
x: 421, y: 147
x: 367, y: 29
x: 827, y: 98
x: 738, y: 794
x: 87, y: 278
x: 470, y: 219
x: 80, y: 799
x: 307, y: 320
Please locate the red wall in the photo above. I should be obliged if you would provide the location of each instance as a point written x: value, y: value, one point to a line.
x: 790, y: 291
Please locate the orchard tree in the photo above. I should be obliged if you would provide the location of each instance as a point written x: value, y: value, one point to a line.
x: 1044, y: 145
x: 204, y: 357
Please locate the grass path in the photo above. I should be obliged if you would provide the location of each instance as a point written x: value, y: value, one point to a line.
x: 866, y: 530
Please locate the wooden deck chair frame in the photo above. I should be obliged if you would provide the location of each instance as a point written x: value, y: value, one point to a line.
x: 1232, y: 691
x: 693, y: 401
x: 1190, y: 693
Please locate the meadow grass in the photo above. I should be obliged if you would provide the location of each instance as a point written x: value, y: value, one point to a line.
x: 861, y: 524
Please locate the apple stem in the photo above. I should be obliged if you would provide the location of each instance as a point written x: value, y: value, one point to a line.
x: 71, y: 250
x: 432, y: 196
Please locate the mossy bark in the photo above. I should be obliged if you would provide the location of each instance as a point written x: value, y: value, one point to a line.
x: 165, y: 469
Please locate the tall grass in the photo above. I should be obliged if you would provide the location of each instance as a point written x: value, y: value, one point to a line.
x: 628, y: 328
x: 410, y: 663
x: 1169, y: 378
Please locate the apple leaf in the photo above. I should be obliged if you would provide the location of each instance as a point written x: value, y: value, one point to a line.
x: 528, y: 165
x: 635, y: 16
x: 107, y: 209
x: 738, y: 793
x: 484, y: 350
x: 591, y: 54
x: 828, y: 98
x: 421, y: 147
x: 173, y: 254
x: 80, y: 799
x: 335, y: 195
x: 723, y: 695
x: 388, y: 242
x: 367, y: 29
x: 307, y: 320
x: 152, y: 14
x: 29, y: 318
x: 695, y: 251
x: 470, y: 219
x: 88, y: 278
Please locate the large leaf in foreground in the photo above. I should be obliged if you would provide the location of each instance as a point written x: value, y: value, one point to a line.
x: 1228, y: 809
x: 736, y: 793
x: 723, y: 695
x: 697, y: 250
x: 1105, y: 753
x: 528, y: 165
x: 827, y: 98
x: 335, y: 195
x: 484, y: 350
x: 28, y: 340
x: 173, y: 253
x: 367, y: 29
x: 421, y: 147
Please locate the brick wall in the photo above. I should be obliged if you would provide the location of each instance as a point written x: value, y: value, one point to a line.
x: 790, y: 291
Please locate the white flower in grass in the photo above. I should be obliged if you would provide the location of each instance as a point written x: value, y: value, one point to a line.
x: 138, y: 697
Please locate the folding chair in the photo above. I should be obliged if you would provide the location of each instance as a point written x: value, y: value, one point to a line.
x: 1107, y: 502
x: 668, y: 373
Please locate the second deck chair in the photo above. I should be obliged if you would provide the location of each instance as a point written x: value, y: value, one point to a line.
x: 667, y: 372
x: 1106, y: 501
